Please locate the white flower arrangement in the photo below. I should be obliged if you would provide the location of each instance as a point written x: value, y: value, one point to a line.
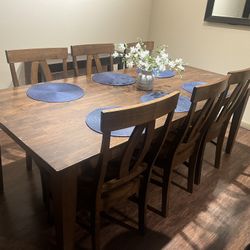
x: 140, y: 57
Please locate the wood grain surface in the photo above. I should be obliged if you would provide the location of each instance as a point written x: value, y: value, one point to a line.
x: 56, y: 132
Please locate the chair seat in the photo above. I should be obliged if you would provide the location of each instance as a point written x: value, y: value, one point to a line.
x: 183, y: 151
x: 112, y: 189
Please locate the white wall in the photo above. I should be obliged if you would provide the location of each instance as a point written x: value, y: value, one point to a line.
x: 55, y: 23
x: 216, y: 47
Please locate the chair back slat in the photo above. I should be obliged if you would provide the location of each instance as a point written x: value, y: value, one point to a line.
x: 36, y: 58
x: 46, y: 71
x: 93, y: 52
x: 136, y: 158
x: 34, y: 72
x: 142, y: 117
x: 98, y: 63
x: 14, y: 75
x: 89, y: 65
x: 198, y: 124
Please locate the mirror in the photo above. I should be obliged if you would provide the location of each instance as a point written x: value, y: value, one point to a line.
x: 228, y: 11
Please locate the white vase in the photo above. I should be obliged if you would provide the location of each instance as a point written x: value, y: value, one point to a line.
x: 145, y: 80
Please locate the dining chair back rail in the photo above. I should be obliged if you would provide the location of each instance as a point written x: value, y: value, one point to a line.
x: 35, y: 59
x: 93, y: 52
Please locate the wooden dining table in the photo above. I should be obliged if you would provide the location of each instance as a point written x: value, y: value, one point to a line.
x: 56, y: 136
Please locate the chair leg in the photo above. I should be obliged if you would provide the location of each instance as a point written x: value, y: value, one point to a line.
x: 237, y: 116
x: 141, y: 215
x: 28, y: 162
x: 95, y: 230
x: 1, y: 180
x: 1, y: 174
x: 142, y: 203
x: 46, y: 196
x: 165, y: 191
x: 219, y: 146
x: 199, y: 160
x: 191, y: 173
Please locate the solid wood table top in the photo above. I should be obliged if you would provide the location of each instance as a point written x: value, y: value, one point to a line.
x: 57, y: 133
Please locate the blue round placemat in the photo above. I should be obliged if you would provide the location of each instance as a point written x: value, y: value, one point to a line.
x: 113, y: 79
x: 189, y: 86
x: 183, y: 104
x: 55, y: 92
x: 164, y: 74
x: 152, y: 95
x: 93, y: 121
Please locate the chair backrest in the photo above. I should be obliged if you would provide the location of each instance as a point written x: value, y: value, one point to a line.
x: 240, y: 81
x: 36, y: 58
x: 92, y: 51
x: 148, y: 44
x: 207, y: 100
x: 142, y: 117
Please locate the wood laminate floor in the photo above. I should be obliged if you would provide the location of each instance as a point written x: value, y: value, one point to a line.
x: 215, y: 216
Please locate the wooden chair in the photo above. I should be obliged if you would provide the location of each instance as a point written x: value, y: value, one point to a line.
x: 237, y: 116
x: 183, y: 142
x: 33, y: 60
x: 93, y: 52
x: 114, y: 180
x: 219, y: 126
x: 148, y: 44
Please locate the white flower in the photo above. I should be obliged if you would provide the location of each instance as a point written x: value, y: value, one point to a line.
x: 140, y: 57
x: 130, y: 64
x: 144, y: 53
x: 171, y: 64
x: 133, y: 50
x: 138, y: 46
x: 164, y: 55
x: 179, y: 61
x: 180, y: 67
x: 127, y: 56
x: 162, y: 67
x: 115, y: 54
x: 120, y: 47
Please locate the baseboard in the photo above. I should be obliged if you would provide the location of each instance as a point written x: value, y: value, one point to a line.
x: 245, y: 125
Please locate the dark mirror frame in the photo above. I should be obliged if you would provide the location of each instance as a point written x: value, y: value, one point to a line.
x: 221, y: 19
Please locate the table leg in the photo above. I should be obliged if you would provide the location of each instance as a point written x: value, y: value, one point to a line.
x: 64, y: 188
x: 237, y: 116
x: 28, y: 162
x: 1, y: 173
